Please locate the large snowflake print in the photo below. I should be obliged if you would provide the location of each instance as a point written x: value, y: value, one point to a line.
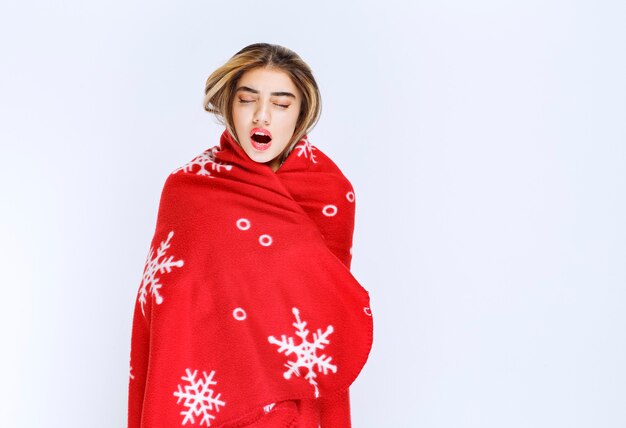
x: 305, y: 352
x: 206, y: 163
x: 154, y: 266
x: 305, y: 148
x: 199, y: 398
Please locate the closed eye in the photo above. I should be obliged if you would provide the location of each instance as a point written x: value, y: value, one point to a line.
x: 251, y: 101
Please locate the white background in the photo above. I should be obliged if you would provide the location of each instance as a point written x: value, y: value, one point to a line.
x: 486, y: 142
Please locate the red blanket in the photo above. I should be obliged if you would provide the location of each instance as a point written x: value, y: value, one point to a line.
x: 247, y: 302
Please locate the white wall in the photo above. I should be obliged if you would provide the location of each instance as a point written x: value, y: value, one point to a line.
x: 486, y: 142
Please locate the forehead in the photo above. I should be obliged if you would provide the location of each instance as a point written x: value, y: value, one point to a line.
x: 268, y: 80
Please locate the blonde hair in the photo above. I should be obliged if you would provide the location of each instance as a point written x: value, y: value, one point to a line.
x: 220, y: 86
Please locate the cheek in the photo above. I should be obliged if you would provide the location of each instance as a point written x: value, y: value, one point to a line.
x: 239, y: 115
x: 236, y: 113
x: 292, y: 117
x: 238, y: 122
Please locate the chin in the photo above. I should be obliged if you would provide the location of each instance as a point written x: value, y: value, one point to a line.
x: 260, y: 158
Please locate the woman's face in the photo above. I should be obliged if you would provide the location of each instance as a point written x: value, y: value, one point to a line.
x: 265, y: 110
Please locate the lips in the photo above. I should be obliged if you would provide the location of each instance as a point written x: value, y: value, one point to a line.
x: 260, y: 138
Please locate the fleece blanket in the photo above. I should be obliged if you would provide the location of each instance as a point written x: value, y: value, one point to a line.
x: 247, y: 300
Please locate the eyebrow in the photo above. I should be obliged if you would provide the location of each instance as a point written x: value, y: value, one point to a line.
x: 274, y: 94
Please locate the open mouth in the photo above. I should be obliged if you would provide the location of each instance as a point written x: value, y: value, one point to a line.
x: 260, y: 138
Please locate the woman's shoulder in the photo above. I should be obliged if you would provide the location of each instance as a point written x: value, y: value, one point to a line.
x: 204, y: 163
x: 323, y: 162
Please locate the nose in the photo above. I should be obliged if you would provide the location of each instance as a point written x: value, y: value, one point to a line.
x: 261, y: 113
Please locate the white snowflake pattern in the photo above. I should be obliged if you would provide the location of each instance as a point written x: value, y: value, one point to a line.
x: 306, y: 352
x: 203, y: 160
x: 158, y: 264
x: 305, y: 148
x: 199, y: 398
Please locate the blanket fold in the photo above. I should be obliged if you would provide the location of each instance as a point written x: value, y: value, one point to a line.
x: 247, y: 301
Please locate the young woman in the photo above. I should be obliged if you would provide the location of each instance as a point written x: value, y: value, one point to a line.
x: 247, y: 313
